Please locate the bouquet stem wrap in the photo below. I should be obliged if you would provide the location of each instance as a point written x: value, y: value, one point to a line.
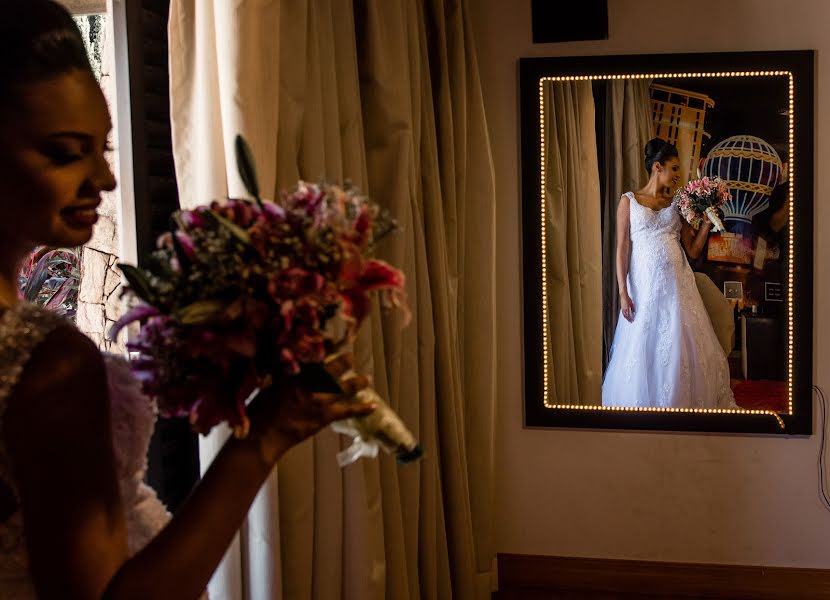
x: 382, y: 428
x: 715, y: 219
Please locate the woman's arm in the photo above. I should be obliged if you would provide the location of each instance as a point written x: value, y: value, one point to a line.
x: 58, y: 435
x: 694, y: 241
x: 623, y: 256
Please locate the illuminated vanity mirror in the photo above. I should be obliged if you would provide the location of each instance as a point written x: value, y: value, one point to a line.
x: 642, y: 310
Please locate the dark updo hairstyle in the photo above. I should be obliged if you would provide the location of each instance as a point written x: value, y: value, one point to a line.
x: 39, y: 40
x: 659, y: 151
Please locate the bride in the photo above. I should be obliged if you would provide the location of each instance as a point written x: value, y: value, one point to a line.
x: 76, y: 521
x: 665, y: 352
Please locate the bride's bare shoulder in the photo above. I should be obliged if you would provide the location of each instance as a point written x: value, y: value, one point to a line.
x: 64, y: 351
x: 62, y: 382
x: 623, y: 206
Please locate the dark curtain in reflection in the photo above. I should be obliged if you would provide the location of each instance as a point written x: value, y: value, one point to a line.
x: 626, y: 128
x: 573, y: 243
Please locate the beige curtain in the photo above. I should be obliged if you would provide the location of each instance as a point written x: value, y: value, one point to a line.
x: 573, y: 249
x: 385, y: 94
x: 628, y: 127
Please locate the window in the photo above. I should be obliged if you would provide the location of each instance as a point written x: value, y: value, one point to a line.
x: 92, y: 30
x: 83, y: 283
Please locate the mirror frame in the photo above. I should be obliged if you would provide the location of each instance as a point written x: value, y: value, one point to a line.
x: 800, y: 64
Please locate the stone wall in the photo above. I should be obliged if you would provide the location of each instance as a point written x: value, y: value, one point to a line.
x: 99, y: 305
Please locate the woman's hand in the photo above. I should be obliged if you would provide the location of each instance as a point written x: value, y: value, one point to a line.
x: 627, y: 307
x: 288, y: 414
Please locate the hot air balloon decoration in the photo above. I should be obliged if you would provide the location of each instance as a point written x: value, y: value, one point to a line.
x: 751, y: 168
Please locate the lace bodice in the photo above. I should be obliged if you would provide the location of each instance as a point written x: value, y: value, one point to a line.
x: 656, y: 252
x: 132, y: 422
x: 645, y: 221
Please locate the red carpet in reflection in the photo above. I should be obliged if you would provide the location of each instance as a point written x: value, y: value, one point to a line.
x: 761, y: 395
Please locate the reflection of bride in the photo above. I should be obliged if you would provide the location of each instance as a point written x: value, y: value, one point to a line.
x: 665, y: 351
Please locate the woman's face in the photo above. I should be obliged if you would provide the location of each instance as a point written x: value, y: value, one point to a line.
x: 53, y: 164
x: 668, y: 173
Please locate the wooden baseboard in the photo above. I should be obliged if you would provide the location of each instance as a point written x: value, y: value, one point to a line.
x: 535, y: 577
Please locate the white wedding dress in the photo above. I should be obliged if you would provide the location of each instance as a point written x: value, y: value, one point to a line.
x: 133, y: 418
x: 669, y: 356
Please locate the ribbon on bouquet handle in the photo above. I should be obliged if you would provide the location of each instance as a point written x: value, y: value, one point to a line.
x: 382, y: 428
x: 715, y: 219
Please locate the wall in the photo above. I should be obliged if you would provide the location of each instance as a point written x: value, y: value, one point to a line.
x: 696, y: 498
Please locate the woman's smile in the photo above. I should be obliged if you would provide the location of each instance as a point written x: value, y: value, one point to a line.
x: 81, y: 217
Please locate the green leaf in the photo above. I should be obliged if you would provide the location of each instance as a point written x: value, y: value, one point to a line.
x: 247, y: 168
x: 220, y: 221
x: 200, y: 311
x: 139, y: 283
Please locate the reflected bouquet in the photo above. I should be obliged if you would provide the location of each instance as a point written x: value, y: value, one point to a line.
x: 700, y: 199
x: 51, y: 277
x: 241, y: 292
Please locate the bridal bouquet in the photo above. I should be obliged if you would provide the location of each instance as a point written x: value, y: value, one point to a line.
x: 700, y: 199
x: 242, y: 292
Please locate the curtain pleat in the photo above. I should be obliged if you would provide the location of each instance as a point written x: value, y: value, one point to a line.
x: 573, y: 248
